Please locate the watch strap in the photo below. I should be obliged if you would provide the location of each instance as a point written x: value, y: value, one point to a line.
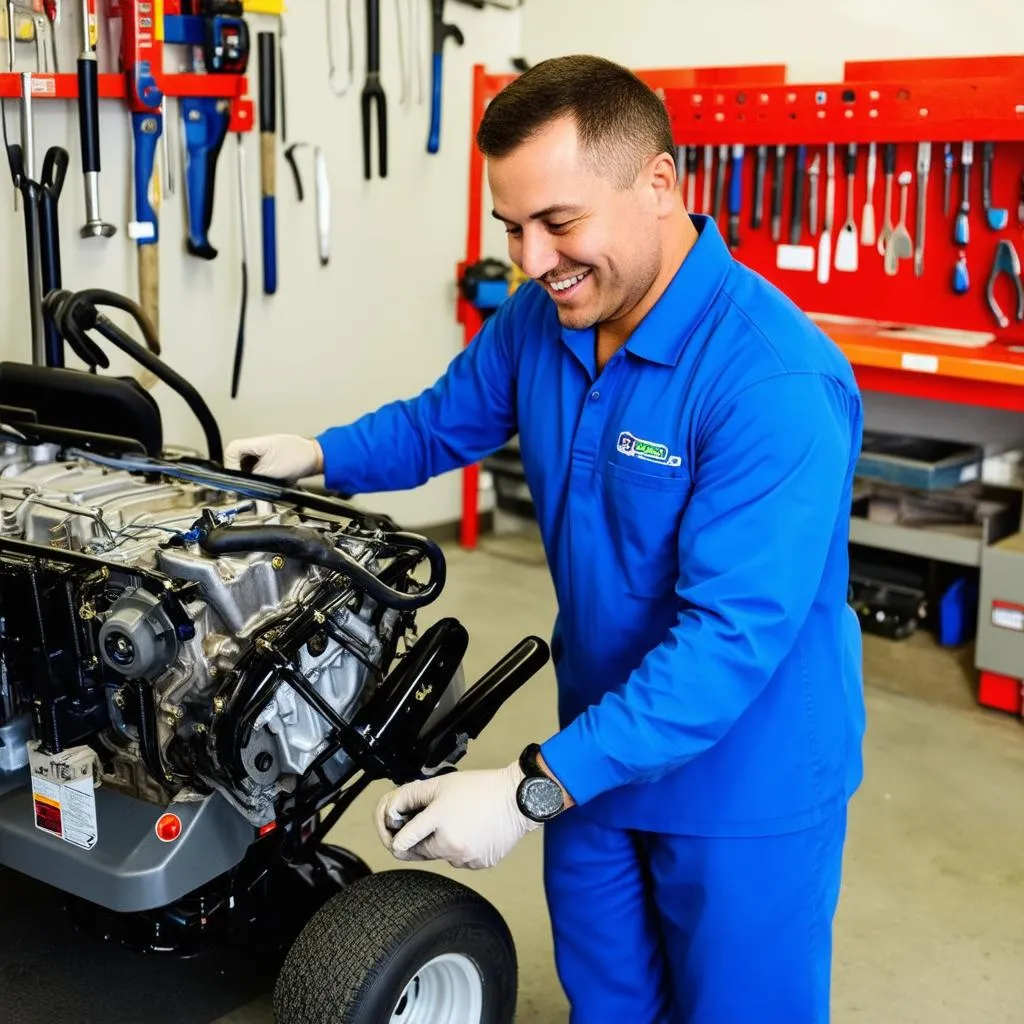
x: 529, y: 762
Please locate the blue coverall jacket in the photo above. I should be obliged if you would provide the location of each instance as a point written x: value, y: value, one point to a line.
x: 694, y: 501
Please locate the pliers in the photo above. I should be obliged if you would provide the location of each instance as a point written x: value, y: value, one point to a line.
x: 373, y: 92
x: 1006, y: 261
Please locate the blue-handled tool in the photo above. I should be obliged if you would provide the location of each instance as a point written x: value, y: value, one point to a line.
x: 997, y: 217
x: 145, y: 227
x: 735, y: 195
x: 961, y: 277
x: 206, y: 127
x: 962, y: 226
x: 268, y: 157
x: 440, y: 32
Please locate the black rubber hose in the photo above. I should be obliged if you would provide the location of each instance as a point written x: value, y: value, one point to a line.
x: 102, y: 297
x: 76, y: 313
x: 308, y: 545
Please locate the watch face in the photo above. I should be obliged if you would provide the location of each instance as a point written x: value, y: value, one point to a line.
x: 541, y: 798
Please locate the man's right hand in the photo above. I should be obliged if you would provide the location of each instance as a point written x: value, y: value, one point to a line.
x: 285, y: 457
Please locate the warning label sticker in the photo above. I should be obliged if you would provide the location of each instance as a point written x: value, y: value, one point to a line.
x: 67, y: 810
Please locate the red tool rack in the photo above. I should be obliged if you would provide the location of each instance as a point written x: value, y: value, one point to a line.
x: 114, y: 85
x: 867, y: 313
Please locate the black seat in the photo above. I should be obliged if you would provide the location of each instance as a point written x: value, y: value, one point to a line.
x: 86, y: 403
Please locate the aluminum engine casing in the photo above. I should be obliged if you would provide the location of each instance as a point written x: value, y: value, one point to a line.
x: 126, y: 520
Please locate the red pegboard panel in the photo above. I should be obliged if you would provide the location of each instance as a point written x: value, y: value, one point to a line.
x: 995, y: 66
x: 901, y: 111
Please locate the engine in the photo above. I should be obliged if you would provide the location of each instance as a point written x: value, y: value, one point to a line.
x: 193, y: 638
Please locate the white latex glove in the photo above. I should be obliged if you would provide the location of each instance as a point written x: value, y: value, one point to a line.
x: 468, y: 818
x: 280, y: 456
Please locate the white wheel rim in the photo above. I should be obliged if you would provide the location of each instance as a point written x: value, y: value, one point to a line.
x: 445, y: 990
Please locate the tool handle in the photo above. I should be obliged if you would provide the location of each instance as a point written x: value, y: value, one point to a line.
x: 145, y: 143
x: 757, y: 215
x: 736, y: 181
x: 206, y: 127
x: 372, y: 36
x: 799, y: 173
x: 55, y: 168
x: 269, y: 216
x: 31, y: 194
x: 439, y: 34
x: 267, y: 55
x: 88, y: 112
x: 735, y: 195
x: 777, y: 184
x: 961, y: 278
x: 987, y: 156
x: 268, y: 213
x: 149, y: 284
x: 851, y: 159
x: 434, y: 141
x: 889, y: 158
x: 961, y: 229
x: 872, y: 166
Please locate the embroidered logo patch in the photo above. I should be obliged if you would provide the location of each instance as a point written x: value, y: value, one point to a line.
x: 650, y: 451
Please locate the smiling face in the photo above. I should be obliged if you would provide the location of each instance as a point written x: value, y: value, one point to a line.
x: 597, y: 249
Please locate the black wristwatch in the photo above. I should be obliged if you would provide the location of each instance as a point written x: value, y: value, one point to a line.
x: 539, y: 797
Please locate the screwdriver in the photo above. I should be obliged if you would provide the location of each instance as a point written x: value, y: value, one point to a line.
x: 962, y: 229
x: 735, y: 195
x: 758, y: 205
x: 947, y: 177
x: 778, y: 185
x: 796, y: 216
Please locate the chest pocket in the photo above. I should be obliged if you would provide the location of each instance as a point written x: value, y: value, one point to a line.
x: 643, y: 509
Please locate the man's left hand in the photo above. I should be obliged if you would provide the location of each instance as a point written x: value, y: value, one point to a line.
x: 468, y: 818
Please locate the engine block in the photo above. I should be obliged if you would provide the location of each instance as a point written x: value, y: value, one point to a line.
x: 119, y: 629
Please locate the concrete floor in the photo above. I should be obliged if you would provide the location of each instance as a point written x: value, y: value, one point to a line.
x: 931, y: 921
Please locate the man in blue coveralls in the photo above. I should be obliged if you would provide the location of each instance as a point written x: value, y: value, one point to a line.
x: 689, y: 438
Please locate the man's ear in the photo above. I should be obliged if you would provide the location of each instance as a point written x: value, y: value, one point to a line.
x: 663, y: 181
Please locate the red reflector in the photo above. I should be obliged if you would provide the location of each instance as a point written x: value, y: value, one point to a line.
x: 267, y: 829
x: 168, y: 828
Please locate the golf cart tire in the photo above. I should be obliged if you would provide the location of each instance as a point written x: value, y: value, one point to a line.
x: 357, y: 954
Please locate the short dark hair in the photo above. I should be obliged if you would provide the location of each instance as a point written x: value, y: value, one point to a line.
x: 621, y: 122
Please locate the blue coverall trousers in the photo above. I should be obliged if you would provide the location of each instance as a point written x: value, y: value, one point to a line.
x: 665, y: 929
